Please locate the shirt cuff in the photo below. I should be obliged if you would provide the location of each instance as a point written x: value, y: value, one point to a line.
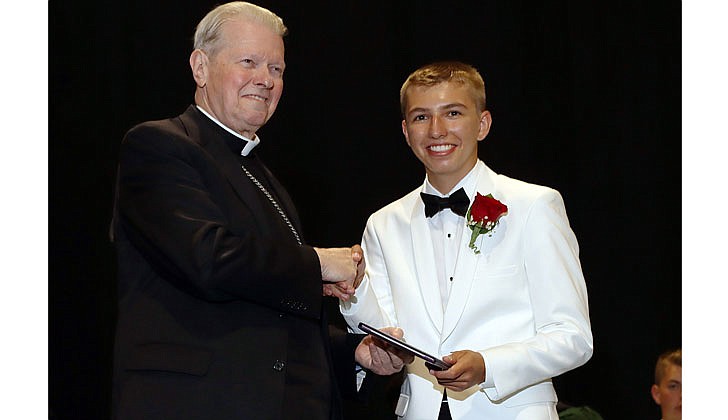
x: 489, y: 382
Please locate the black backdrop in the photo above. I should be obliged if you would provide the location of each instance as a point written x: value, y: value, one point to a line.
x: 585, y: 98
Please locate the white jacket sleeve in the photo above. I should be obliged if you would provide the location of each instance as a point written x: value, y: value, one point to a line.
x: 563, y: 338
x: 372, y: 302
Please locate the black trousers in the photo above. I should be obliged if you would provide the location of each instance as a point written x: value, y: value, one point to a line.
x: 444, y: 408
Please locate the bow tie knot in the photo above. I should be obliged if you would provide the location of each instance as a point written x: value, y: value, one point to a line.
x: 458, y: 202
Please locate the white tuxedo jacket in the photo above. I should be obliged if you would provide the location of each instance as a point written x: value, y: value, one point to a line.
x: 521, y: 302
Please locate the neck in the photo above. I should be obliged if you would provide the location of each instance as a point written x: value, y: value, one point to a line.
x: 443, y: 187
x: 445, y: 182
x: 202, y: 102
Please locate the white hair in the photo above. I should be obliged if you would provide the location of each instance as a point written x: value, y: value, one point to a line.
x: 207, y: 33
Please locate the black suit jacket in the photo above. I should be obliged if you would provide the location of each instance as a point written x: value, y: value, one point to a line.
x: 220, y: 309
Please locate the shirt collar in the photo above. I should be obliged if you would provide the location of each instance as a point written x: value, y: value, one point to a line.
x: 249, y: 145
x: 467, y: 183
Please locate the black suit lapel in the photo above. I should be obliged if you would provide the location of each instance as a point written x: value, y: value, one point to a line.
x: 284, y: 200
x: 200, y: 128
x: 209, y: 135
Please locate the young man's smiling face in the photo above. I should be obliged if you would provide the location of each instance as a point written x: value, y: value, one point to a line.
x: 442, y: 126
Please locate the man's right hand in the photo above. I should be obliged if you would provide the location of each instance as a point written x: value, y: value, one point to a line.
x: 342, y: 269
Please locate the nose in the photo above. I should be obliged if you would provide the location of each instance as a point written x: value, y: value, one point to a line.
x: 263, y: 79
x: 264, y: 82
x: 437, y: 128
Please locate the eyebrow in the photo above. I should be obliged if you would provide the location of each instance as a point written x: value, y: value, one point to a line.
x: 674, y: 381
x: 444, y: 107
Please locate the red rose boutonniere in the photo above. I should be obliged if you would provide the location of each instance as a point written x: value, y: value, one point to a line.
x: 483, y: 216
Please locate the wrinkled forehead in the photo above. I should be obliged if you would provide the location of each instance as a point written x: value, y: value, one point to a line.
x: 244, y: 33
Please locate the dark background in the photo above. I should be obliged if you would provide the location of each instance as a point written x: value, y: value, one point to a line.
x: 585, y: 97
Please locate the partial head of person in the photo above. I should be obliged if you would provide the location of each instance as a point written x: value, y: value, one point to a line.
x: 667, y: 389
x: 238, y: 63
x: 443, y: 119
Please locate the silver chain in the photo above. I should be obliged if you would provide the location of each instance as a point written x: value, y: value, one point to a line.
x: 273, y: 201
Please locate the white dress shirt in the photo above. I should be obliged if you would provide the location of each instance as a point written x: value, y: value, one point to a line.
x: 446, y: 229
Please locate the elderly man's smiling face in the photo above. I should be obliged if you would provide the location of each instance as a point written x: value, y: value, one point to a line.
x: 241, y: 81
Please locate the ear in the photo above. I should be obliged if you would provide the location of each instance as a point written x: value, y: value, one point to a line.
x: 404, y: 131
x: 485, y: 122
x: 655, y: 390
x: 199, y: 63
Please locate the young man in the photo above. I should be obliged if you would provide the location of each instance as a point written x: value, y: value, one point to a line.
x: 504, y: 301
x: 667, y: 389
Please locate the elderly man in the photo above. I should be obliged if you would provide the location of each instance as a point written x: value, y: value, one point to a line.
x: 220, y: 299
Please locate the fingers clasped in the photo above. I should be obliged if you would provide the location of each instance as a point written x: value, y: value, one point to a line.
x: 342, y: 270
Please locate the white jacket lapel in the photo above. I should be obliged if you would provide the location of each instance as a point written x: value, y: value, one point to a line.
x: 424, y: 260
x: 467, y: 260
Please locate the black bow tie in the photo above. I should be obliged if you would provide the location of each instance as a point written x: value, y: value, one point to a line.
x: 458, y: 202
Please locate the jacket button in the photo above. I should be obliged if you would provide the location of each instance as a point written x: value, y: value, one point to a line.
x: 279, y: 365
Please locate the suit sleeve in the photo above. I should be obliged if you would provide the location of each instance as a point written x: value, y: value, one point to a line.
x: 563, y: 338
x: 175, y: 207
x: 373, y: 302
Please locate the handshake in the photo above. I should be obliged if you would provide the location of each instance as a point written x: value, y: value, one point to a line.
x: 342, y: 269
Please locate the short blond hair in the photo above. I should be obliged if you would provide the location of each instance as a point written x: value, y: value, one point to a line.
x: 445, y: 71
x: 208, y: 31
x: 670, y: 357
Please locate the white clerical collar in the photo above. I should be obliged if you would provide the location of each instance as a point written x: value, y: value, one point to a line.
x: 249, y: 144
x: 467, y: 183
